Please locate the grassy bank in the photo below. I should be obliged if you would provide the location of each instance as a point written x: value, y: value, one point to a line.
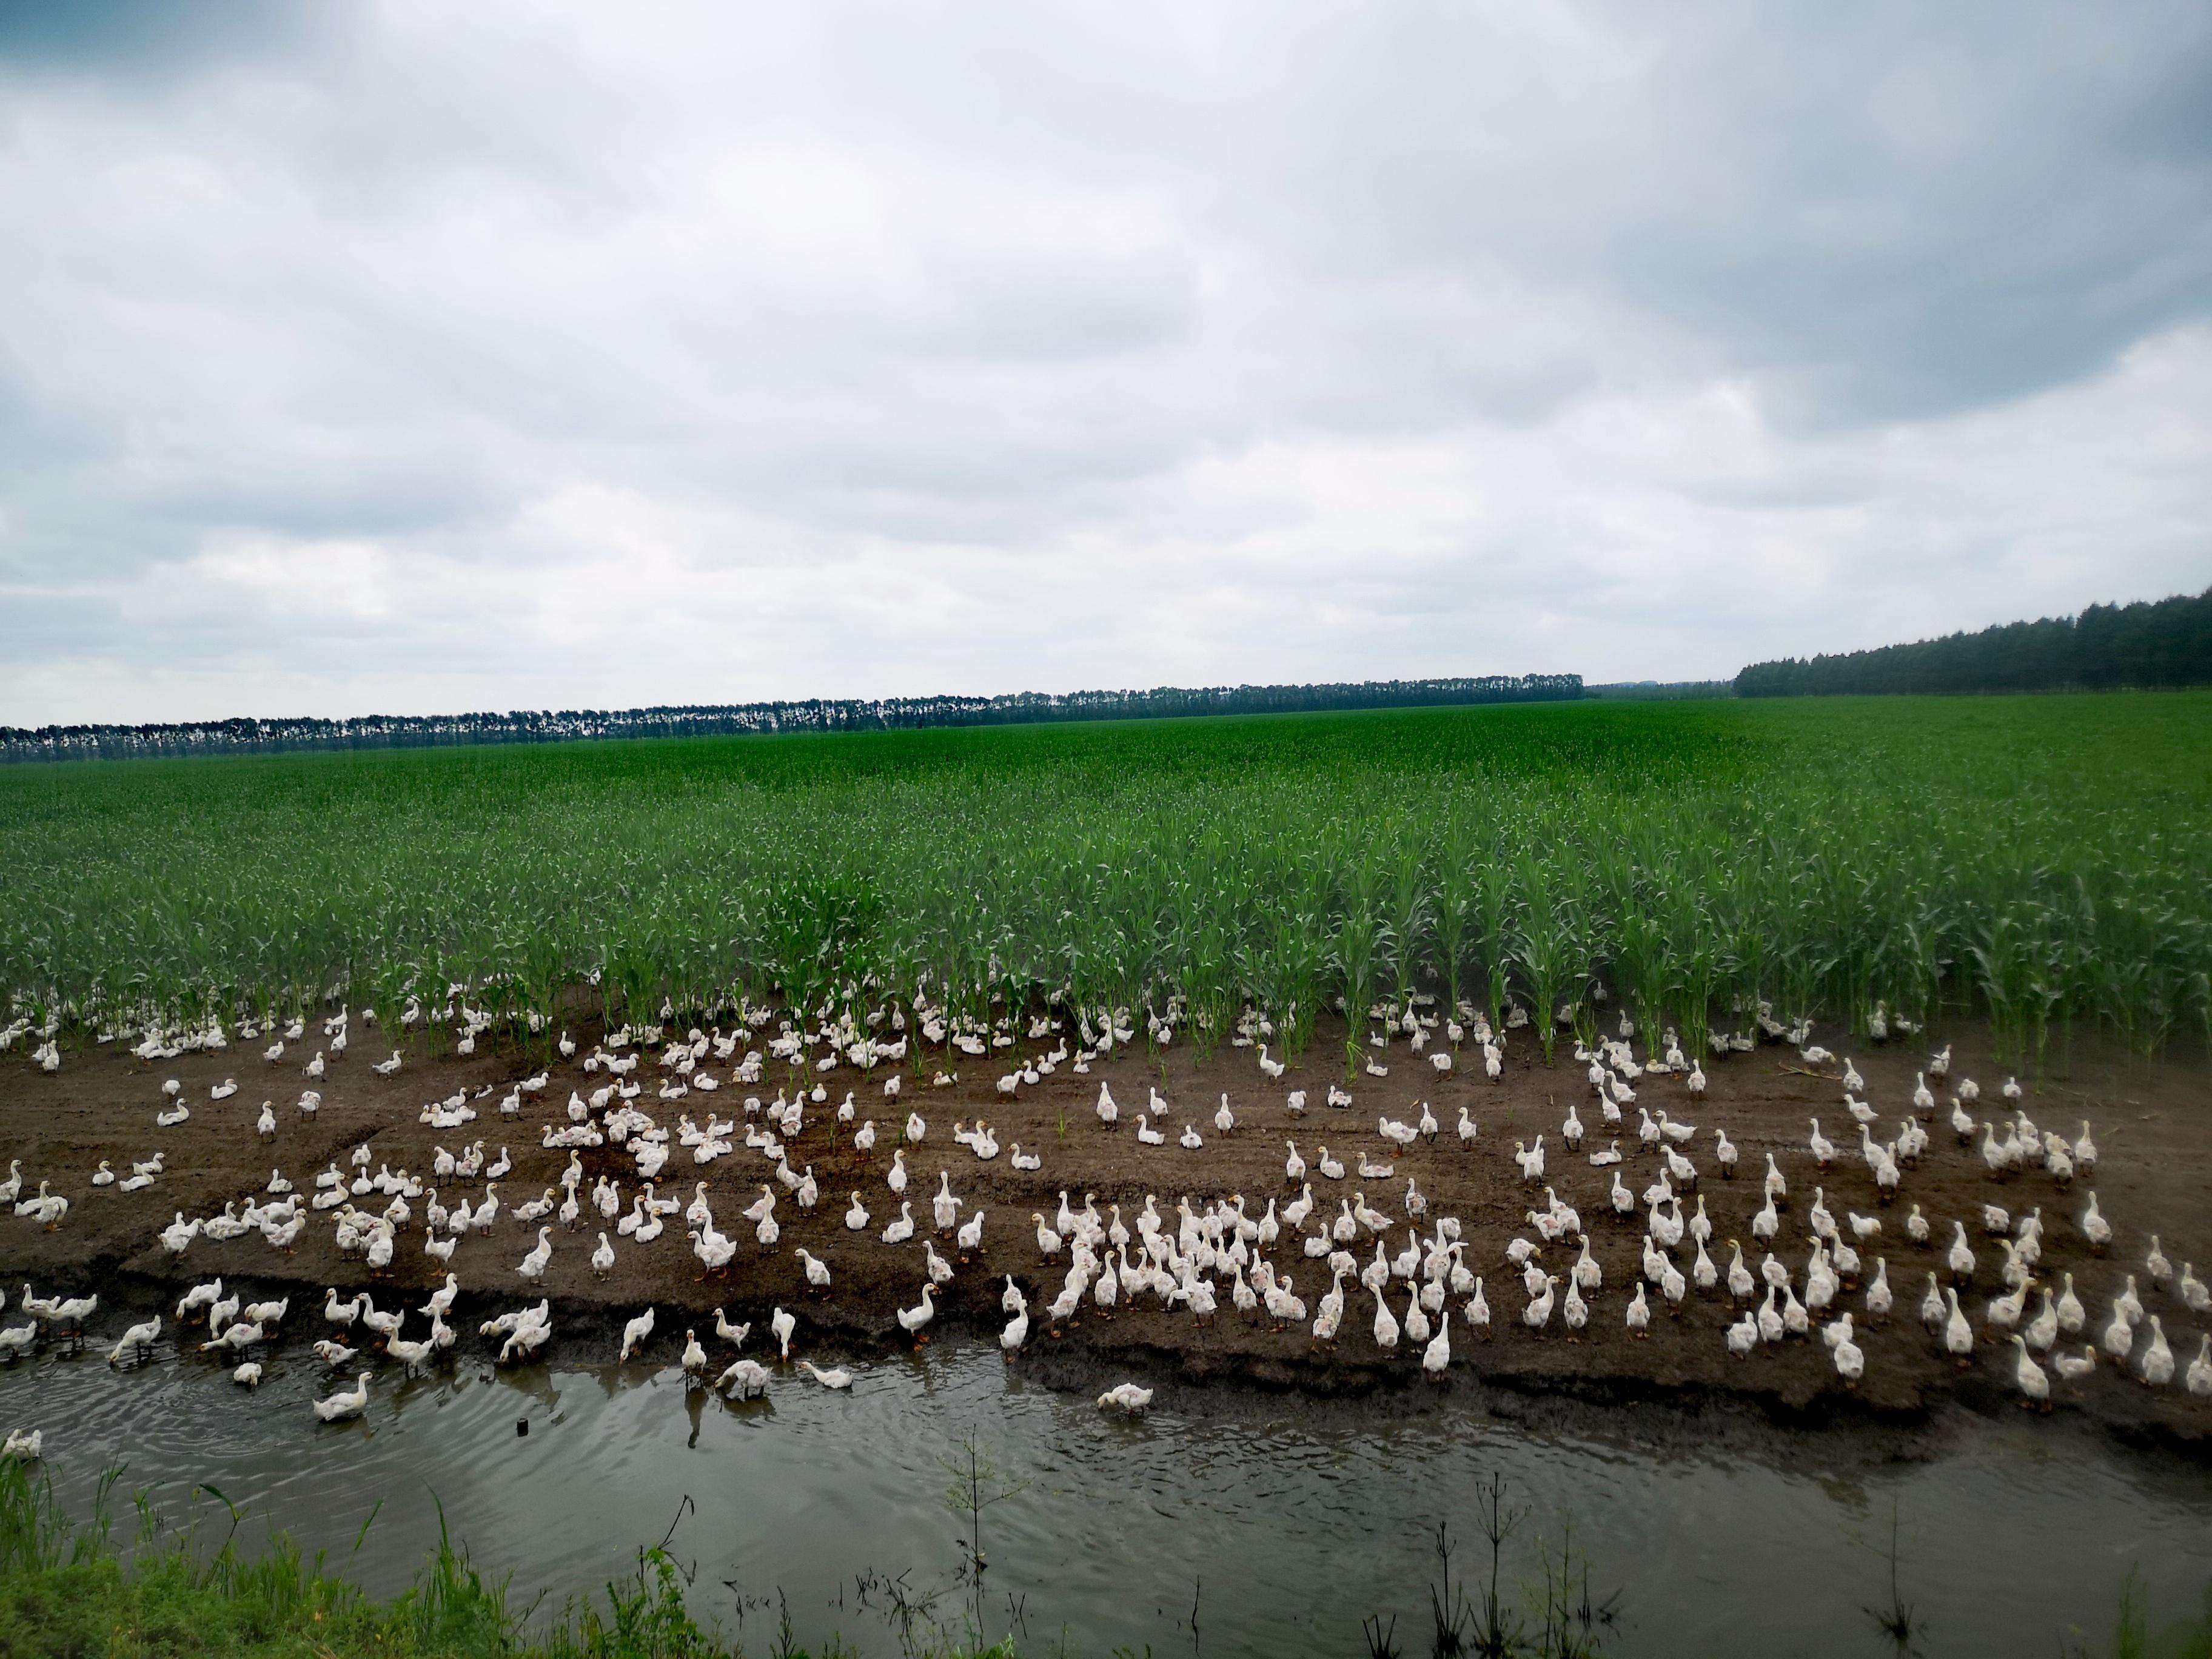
x: 71, y: 1590
x: 80, y: 1590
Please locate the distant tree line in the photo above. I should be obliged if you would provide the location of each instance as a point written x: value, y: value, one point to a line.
x: 2164, y: 642
x: 1660, y: 690
x: 817, y: 715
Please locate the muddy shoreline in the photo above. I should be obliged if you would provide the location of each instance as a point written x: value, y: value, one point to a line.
x: 2153, y: 1125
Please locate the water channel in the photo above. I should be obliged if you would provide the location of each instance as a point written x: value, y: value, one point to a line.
x: 1281, y: 1522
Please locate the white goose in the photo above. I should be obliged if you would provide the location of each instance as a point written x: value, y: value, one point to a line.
x: 2034, y: 1386
x: 912, y: 1320
x: 137, y: 1339
x: 817, y: 1270
x: 349, y: 1402
x: 747, y: 1379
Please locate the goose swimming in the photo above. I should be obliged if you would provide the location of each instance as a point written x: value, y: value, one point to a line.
x: 347, y: 1403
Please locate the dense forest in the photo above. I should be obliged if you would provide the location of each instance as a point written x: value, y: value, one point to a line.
x: 2164, y: 642
x: 1023, y: 707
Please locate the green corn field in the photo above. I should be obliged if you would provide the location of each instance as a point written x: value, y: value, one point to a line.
x: 2044, y: 863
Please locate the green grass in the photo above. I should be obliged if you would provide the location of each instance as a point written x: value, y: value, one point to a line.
x: 67, y: 1591
x: 2046, y: 861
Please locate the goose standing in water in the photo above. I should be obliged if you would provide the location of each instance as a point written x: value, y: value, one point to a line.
x: 912, y: 1320
x: 747, y: 1379
x: 137, y: 1339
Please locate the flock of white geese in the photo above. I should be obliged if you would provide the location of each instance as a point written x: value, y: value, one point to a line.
x: 1192, y: 1257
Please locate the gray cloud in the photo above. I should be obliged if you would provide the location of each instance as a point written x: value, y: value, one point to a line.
x: 119, y: 38
x: 415, y: 357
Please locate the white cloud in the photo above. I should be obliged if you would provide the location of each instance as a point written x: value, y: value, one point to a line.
x: 351, y: 581
x: 418, y: 358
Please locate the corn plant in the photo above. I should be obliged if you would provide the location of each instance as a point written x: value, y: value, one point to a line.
x: 2044, y: 862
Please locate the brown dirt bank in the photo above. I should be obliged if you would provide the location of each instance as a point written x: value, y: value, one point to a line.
x: 2153, y: 1125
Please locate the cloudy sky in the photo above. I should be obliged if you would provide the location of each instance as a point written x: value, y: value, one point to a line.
x: 411, y: 357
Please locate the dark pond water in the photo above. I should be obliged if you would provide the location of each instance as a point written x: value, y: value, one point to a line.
x: 1286, y: 1522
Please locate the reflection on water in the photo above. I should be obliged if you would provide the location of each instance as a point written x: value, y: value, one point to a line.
x: 1284, y: 1527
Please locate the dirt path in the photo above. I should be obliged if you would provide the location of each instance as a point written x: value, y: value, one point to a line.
x: 2153, y: 1126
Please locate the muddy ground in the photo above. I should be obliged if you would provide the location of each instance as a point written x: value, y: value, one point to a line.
x: 2153, y: 1125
